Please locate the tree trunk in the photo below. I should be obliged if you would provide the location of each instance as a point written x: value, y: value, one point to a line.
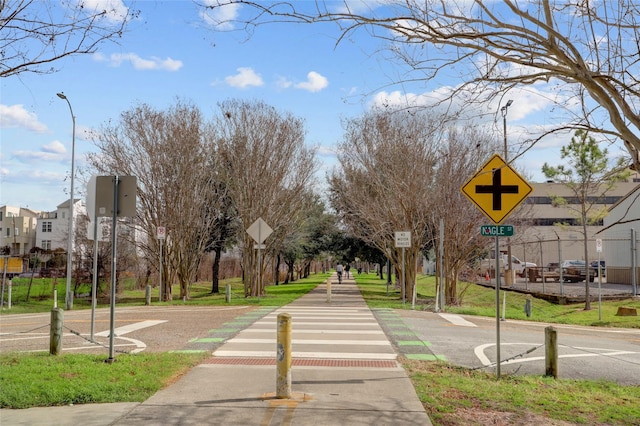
x: 215, y: 270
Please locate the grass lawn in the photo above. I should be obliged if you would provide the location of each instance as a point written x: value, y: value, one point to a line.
x: 41, y: 380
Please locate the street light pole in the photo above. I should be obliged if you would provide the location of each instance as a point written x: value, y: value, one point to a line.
x: 504, y: 111
x: 69, y: 294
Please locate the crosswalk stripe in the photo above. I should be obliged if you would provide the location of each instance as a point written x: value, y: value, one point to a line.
x: 316, y: 333
x: 121, y: 331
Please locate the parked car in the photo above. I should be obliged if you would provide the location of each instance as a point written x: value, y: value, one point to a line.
x: 518, y: 265
x: 594, y: 266
x: 576, y: 270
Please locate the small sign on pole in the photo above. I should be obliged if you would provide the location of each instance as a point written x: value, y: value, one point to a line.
x: 403, y: 239
x: 161, y: 232
x: 599, y: 245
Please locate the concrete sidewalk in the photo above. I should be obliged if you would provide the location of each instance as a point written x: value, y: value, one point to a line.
x: 343, y: 373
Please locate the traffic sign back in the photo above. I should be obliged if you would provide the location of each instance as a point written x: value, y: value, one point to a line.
x: 496, y: 189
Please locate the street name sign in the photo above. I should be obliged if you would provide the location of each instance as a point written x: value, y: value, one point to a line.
x: 496, y: 230
x: 496, y: 189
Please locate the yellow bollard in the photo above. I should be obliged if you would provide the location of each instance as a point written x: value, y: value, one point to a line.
x: 283, y: 383
x: 328, y: 290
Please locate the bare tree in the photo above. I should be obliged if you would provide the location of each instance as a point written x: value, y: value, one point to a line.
x: 172, y: 154
x: 589, y: 177
x: 34, y: 34
x: 385, y: 182
x: 268, y: 172
x: 588, y: 51
x: 458, y: 157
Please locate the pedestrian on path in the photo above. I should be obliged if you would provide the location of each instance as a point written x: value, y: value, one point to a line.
x: 339, y: 272
x: 346, y: 270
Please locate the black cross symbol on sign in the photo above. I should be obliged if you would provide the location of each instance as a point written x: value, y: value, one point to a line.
x: 497, y: 189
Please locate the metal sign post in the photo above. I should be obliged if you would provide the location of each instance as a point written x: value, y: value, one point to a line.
x: 259, y: 231
x: 161, y: 234
x: 497, y: 308
x: 496, y: 190
x: 94, y: 282
x: 586, y: 272
x: 403, y: 240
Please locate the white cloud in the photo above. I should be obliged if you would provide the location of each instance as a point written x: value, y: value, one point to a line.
x: 153, y: 63
x: 115, y: 10
x: 283, y: 83
x: 222, y: 17
x: 315, y: 82
x: 30, y: 156
x: 54, y: 151
x: 12, y: 116
x: 360, y: 6
x: 246, y: 77
x: 55, y: 147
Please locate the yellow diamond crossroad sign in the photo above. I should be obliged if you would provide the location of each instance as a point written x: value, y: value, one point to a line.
x: 496, y: 189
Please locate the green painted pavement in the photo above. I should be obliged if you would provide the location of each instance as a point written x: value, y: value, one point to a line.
x: 426, y: 357
x: 207, y: 340
x: 413, y: 343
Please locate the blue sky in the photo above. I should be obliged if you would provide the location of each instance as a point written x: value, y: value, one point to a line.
x: 171, y: 51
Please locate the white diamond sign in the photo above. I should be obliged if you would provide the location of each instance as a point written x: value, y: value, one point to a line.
x: 259, y: 231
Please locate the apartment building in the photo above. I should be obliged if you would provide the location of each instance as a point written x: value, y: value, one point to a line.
x: 22, y: 229
x: 53, y: 228
x: 18, y: 229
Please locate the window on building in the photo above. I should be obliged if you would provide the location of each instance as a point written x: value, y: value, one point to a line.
x: 46, y: 245
x: 8, y: 232
x: 1, y: 215
x: 46, y: 226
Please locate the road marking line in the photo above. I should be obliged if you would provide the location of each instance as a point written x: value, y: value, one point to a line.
x: 131, y: 327
x: 457, y: 320
x: 479, y: 352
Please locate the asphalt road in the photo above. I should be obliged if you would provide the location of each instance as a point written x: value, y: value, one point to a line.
x: 584, y: 352
x: 144, y: 328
